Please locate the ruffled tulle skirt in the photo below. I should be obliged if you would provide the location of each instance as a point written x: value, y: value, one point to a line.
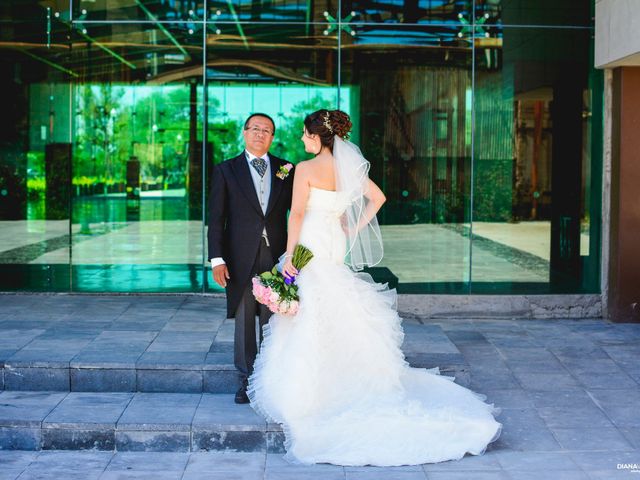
x: 334, y: 376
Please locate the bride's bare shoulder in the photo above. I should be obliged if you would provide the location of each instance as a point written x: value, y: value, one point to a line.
x: 308, y: 165
x: 318, y: 172
x: 304, y: 170
x: 303, y: 166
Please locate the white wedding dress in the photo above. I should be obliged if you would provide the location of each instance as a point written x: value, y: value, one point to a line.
x: 334, y: 375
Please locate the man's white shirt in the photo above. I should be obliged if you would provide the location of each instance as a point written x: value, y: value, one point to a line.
x: 262, y: 186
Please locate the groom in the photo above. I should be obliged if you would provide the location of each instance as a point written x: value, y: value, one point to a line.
x: 248, y: 204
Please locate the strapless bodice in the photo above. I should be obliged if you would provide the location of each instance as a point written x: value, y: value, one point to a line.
x: 321, y: 229
x: 329, y: 201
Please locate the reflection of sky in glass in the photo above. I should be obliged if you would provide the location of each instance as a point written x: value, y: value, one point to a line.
x: 173, y: 9
x: 419, y: 36
x: 434, y: 11
x: 404, y: 37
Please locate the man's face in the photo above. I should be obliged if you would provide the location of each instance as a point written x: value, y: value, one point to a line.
x: 258, y: 135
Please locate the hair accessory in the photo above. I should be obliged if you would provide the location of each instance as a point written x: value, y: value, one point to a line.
x: 326, y: 122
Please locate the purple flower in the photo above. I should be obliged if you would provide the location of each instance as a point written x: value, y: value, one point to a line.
x: 289, y: 280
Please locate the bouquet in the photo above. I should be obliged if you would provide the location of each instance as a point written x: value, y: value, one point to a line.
x: 280, y: 292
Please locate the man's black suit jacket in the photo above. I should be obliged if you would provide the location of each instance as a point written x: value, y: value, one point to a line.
x: 236, y: 220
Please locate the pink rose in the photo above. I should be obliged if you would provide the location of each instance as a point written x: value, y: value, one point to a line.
x: 293, y: 307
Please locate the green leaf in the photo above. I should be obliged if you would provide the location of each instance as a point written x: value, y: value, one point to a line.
x: 301, y: 256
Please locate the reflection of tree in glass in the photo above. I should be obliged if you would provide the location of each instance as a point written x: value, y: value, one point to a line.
x: 287, y: 143
x: 98, y: 133
x: 223, y: 132
x: 161, y: 134
x: 115, y: 123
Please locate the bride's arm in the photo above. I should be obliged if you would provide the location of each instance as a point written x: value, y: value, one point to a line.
x: 375, y: 199
x: 299, y: 199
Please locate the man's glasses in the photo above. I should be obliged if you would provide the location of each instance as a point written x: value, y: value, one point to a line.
x: 256, y: 131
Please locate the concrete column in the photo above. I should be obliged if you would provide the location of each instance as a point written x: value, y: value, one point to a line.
x: 617, y: 49
x: 617, y: 38
x: 624, y: 248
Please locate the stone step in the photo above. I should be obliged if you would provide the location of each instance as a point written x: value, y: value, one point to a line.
x: 177, y: 422
x: 187, y: 361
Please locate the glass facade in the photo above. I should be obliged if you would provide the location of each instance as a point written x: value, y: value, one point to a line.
x: 482, y: 120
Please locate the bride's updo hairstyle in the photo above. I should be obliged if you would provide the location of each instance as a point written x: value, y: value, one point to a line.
x: 326, y: 124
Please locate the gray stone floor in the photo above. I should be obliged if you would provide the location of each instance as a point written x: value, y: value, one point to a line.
x: 164, y: 343
x: 569, y: 392
x: 501, y: 464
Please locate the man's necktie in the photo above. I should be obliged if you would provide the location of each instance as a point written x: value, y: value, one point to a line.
x: 260, y: 165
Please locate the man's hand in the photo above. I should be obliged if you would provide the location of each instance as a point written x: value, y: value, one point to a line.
x: 221, y: 275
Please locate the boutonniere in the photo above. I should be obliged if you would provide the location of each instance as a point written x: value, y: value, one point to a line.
x: 283, y: 171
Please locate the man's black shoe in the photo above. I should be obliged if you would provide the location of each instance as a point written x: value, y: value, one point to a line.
x: 241, y: 395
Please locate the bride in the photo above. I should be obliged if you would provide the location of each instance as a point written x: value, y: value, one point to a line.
x: 334, y: 375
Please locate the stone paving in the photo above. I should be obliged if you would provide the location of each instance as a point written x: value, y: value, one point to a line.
x: 164, y: 343
x: 493, y: 465
x: 569, y: 392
